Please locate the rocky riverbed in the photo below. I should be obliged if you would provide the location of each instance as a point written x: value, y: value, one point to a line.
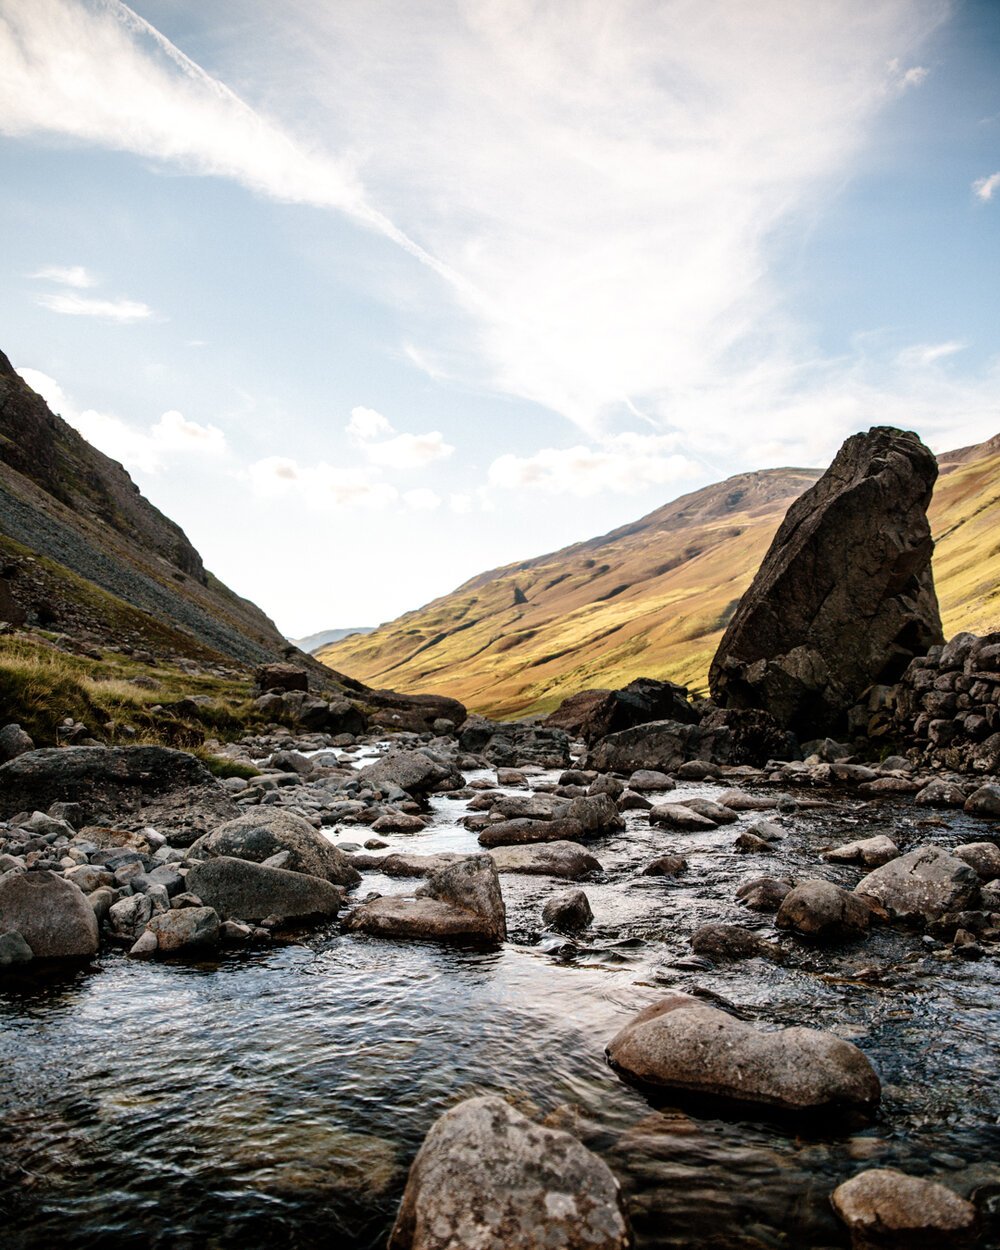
x: 275, y: 1077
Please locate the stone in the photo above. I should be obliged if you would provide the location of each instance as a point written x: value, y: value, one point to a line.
x: 460, y: 901
x: 90, y: 877
x: 471, y: 883
x: 822, y: 910
x: 767, y: 831
x: 666, y: 866
x: 405, y: 864
x: 280, y: 678
x: 550, y: 859
x: 14, y: 950
x: 522, y: 830
x: 660, y: 746
x: 921, y: 886
x: 941, y: 793
x: 50, y: 913
x: 871, y: 852
x: 844, y: 598
x: 645, y: 779
x: 145, y: 946
x: 240, y: 889
x: 593, y: 714
x: 14, y: 742
x: 985, y: 801
x: 712, y: 810
x: 189, y: 928
x: 487, y: 1177
x: 741, y: 801
x: 412, y: 771
x: 884, y: 1208
x: 265, y: 831
x: 683, y: 1044
x: 515, y: 743
x: 129, y: 916
x: 398, y: 822
x: 749, y: 844
x: 415, y: 713
x: 984, y: 857
x: 764, y: 894
x: 728, y: 941
x: 570, y: 910
x: 595, y: 813
x: 678, y: 816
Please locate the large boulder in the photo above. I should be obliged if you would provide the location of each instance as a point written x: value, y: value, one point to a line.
x: 568, y: 860
x: 662, y: 746
x: 14, y: 742
x: 885, y: 1208
x: 239, y: 889
x: 153, y: 785
x: 922, y: 886
x: 460, y: 901
x: 680, y: 1043
x: 487, y: 1177
x: 51, y: 914
x: 413, y: 771
x: 844, y: 598
x: 823, y: 910
x: 267, y: 831
x: 593, y: 714
x: 415, y: 713
x: 511, y: 744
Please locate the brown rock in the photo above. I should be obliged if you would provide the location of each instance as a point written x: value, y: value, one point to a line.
x: 886, y: 1208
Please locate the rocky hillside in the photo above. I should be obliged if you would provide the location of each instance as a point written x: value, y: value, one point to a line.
x: 653, y: 598
x: 82, y: 552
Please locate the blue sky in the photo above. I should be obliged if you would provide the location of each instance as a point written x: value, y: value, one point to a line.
x: 372, y: 296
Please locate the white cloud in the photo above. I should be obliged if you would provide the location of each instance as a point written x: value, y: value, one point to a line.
x: 409, y: 451
x: 922, y: 354
x: 321, y: 487
x: 68, y: 275
x: 421, y: 499
x: 145, y: 450
x: 460, y: 502
x: 366, y: 423
x: 623, y: 464
x: 901, y: 80
x: 123, y: 310
x: 984, y: 187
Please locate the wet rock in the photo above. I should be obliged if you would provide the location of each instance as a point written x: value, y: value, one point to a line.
x: 941, y: 793
x: 240, y: 889
x: 750, y: 844
x: 711, y: 810
x: 191, y: 928
x: 550, y: 859
x: 460, y: 901
x: 728, y: 941
x: 844, y: 598
x: 666, y: 866
x: 398, y: 822
x: 14, y: 950
x: 871, y: 852
x: 568, y: 911
x: 472, y: 883
x: 596, y: 813
x: 984, y: 857
x: 697, y: 770
x: 922, y: 885
x: 767, y: 831
x: 522, y: 830
x: 822, y: 910
x: 412, y: 771
x: 129, y: 916
x: 267, y: 831
x: 50, y: 913
x: 678, y: 816
x: 985, y: 801
x: 486, y: 1176
x: 680, y: 1043
x: 889, y: 785
x: 144, y: 947
x: 514, y: 744
x: 403, y: 864
x: 645, y: 779
x: 764, y: 894
x: 754, y: 735
x: 14, y: 742
x: 662, y: 746
x: 632, y: 802
x: 740, y: 801
x: 885, y: 1208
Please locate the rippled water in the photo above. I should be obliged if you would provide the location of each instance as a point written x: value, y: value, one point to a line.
x: 277, y: 1097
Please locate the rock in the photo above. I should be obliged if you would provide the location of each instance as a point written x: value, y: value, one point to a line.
x: 570, y: 910
x: 871, y: 852
x: 108, y: 782
x: 14, y: 950
x: 50, y: 913
x: 280, y: 677
x: 415, y: 713
x: 593, y: 714
x: 750, y: 844
x: 90, y: 877
x: 661, y: 746
x: 645, y: 779
x: 666, y: 866
x: 471, y: 883
x: 754, y: 735
x: 487, y: 1177
x: 632, y: 802
x: 512, y: 744
x: 265, y: 831
x: 984, y: 857
x: 240, y: 889
x: 922, y: 885
x: 549, y: 859
x: 982, y: 802
x: 822, y: 910
x: 678, y: 816
x: 884, y: 1208
x: 145, y: 946
x: 711, y: 810
x: 767, y: 831
x: 398, y: 822
x: 403, y: 864
x: 190, y: 928
x: 14, y: 742
x: 764, y: 894
x: 889, y: 785
x: 461, y: 901
x: 129, y: 916
x: 941, y: 793
x: 522, y: 830
x: 680, y: 1043
x: 728, y: 941
x: 596, y: 813
x: 740, y: 801
x: 412, y: 771
x: 844, y: 598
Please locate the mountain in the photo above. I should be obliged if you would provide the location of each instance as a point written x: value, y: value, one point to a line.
x: 82, y: 551
x: 652, y: 598
x: 314, y: 642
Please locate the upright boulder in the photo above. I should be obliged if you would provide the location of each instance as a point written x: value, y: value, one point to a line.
x: 593, y: 714
x: 50, y: 913
x: 844, y: 597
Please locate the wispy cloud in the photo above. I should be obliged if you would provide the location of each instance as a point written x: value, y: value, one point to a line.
x: 321, y: 486
x: 72, y: 305
x: 624, y: 464
x: 985, y: 187
x: 147, y: 450
x: 923, y: 354
x: 375, y: 435
x: 901, y: 79
x: 66, y: 275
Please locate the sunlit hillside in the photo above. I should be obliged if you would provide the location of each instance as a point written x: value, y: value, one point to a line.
x: 651, y: 598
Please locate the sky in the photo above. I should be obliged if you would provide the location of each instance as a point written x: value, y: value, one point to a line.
x: 371, y: 296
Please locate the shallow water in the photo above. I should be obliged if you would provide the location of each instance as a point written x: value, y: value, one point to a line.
x: 277, y: 1097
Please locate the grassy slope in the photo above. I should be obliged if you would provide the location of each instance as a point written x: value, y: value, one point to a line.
x: 651, y: 599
